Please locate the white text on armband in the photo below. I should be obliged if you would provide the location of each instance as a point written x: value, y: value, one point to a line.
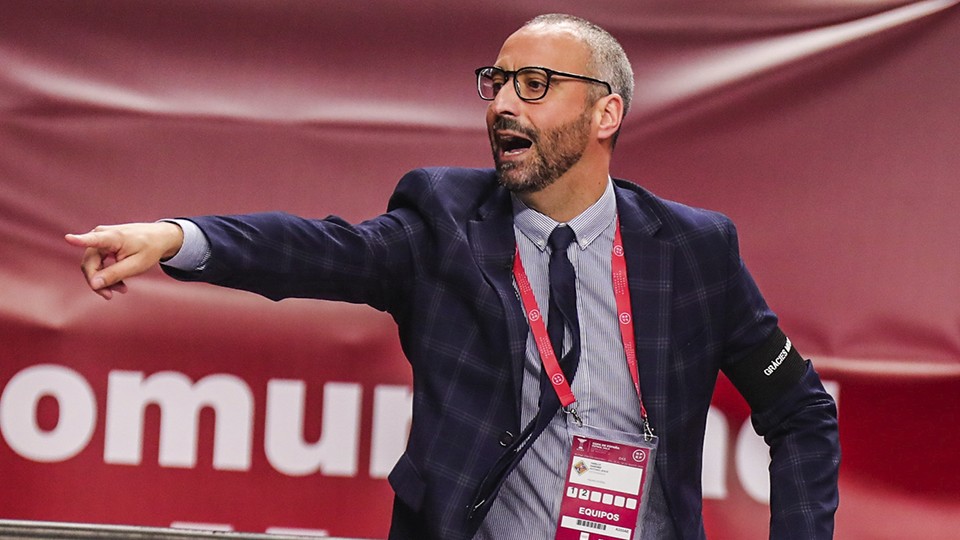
x: 768, y: 371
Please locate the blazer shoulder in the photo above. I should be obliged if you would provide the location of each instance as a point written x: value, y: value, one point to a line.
x: 455, y: 191
x: 674, y: 219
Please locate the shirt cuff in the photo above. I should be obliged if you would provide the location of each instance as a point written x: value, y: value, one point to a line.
x: 195, y: 250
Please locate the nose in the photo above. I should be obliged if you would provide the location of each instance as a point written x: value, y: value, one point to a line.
x: 506, y: 101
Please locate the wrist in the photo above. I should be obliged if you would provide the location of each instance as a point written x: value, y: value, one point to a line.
x: 173, y: 239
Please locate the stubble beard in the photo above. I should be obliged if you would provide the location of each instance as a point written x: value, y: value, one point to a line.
x: 554, y: 152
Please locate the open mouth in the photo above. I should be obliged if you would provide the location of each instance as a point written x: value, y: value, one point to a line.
x: 511, y: 145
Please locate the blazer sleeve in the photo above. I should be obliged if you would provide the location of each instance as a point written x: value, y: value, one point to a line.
x: 799, y: 425
x: 801, y: 429
x: 278, y: 255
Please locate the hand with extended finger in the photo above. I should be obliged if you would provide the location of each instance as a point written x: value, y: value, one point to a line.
x: 115, y: 252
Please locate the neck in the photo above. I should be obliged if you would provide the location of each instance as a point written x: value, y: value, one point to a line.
x: 568, y: 197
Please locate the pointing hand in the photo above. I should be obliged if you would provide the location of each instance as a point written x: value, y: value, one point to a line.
x: 115, y: 252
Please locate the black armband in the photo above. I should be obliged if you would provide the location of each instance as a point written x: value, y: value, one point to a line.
x: 768, y: 371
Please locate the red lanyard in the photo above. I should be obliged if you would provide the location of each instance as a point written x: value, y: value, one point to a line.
x: 548, y: 356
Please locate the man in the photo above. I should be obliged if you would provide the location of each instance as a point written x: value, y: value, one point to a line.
x: 468, y: 261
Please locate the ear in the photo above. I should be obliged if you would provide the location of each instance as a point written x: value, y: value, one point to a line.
x: 610, y: 112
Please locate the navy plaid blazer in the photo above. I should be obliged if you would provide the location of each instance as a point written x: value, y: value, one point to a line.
x: 439, y: 261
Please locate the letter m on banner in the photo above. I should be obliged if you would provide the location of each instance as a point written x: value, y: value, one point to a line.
x: 180, y: 402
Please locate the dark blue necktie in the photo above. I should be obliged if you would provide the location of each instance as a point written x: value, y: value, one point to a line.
x: 562, y: 313
x: 563, y: 303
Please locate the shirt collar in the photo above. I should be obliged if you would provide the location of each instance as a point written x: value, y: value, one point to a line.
x: 587, y: 226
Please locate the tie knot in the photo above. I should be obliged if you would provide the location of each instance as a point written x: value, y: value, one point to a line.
x: 561, y: 237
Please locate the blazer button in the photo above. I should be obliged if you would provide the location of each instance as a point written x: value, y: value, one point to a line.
x: 506, y: 438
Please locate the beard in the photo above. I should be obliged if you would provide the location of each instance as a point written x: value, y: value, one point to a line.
x: 551, y: 155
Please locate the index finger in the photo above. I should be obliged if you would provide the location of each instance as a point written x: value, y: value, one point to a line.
x: 92, y: 239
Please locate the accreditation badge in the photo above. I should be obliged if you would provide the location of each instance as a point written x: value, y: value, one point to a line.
x: 607, y: 484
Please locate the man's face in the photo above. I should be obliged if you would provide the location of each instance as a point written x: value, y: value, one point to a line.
x: 535, y: 143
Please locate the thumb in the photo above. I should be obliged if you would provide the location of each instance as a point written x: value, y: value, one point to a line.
x: 113, y: 272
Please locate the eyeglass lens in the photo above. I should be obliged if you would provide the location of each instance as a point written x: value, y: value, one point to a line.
x: 530, y: 83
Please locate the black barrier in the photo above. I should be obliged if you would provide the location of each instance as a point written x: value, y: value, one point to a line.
x: 56, y: 530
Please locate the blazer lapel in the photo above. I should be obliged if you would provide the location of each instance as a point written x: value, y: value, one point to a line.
x: 650, y: 275
x: 493, y: 243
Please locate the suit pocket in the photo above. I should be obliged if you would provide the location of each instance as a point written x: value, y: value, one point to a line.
x: 407, y: 483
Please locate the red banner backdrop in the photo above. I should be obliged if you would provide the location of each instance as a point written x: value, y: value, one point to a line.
x: 827, y: 129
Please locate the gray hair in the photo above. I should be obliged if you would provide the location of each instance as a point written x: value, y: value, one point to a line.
x: 608, y: 61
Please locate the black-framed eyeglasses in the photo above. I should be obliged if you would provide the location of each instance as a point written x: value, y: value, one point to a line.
x: 531, y: 83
